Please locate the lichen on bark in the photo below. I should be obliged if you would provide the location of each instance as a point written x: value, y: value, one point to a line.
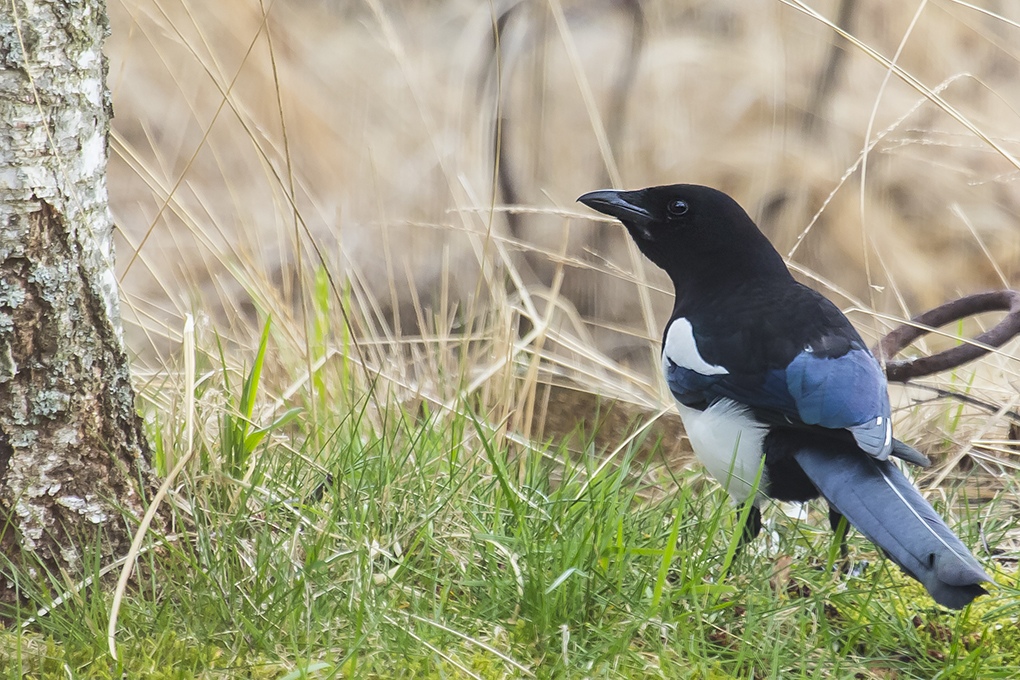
x: 73, y: 455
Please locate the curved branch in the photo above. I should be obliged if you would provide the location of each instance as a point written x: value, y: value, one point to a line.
x: 900, y: 338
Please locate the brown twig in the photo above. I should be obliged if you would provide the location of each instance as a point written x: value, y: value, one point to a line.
x: 979, y: 303
x: 966, y: 399
x: 507, y: 175
x: 835, y: 64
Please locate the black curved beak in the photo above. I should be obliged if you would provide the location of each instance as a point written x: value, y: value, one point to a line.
x: 622, y: 206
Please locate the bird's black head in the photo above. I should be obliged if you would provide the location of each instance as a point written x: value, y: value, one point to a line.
x: 697, y: 234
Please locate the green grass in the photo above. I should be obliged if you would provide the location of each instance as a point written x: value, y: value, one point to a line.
x: 423, y: 542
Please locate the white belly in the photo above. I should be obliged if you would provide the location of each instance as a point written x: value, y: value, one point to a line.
x: 728, y: 441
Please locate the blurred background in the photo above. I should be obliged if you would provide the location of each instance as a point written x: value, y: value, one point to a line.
x: 427, y: 155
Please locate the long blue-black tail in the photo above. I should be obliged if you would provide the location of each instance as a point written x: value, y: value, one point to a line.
x: 883, y: 505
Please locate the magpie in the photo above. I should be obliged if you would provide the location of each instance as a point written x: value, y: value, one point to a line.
x: 763, y: 367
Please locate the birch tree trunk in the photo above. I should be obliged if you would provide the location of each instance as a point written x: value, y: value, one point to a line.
x: 73, y: 455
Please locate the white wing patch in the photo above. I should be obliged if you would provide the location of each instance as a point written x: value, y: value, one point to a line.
x: 729, y: 442
x: 682, y: 350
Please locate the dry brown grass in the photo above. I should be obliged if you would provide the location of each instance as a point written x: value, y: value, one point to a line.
x: 251, y: 138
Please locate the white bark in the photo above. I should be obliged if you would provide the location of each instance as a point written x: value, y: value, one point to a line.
x: 71, y: 443
x: 54, y: 148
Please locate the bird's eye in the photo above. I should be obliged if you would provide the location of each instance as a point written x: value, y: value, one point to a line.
x: 677, y: 207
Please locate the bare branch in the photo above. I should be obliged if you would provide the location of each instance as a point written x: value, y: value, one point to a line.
x: 979, y: 303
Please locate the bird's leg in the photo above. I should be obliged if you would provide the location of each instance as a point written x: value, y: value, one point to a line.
x: 840, y: 528
x: 751, y: 528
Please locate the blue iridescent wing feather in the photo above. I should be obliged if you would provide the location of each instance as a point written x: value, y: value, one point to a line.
x: 837, y: 392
